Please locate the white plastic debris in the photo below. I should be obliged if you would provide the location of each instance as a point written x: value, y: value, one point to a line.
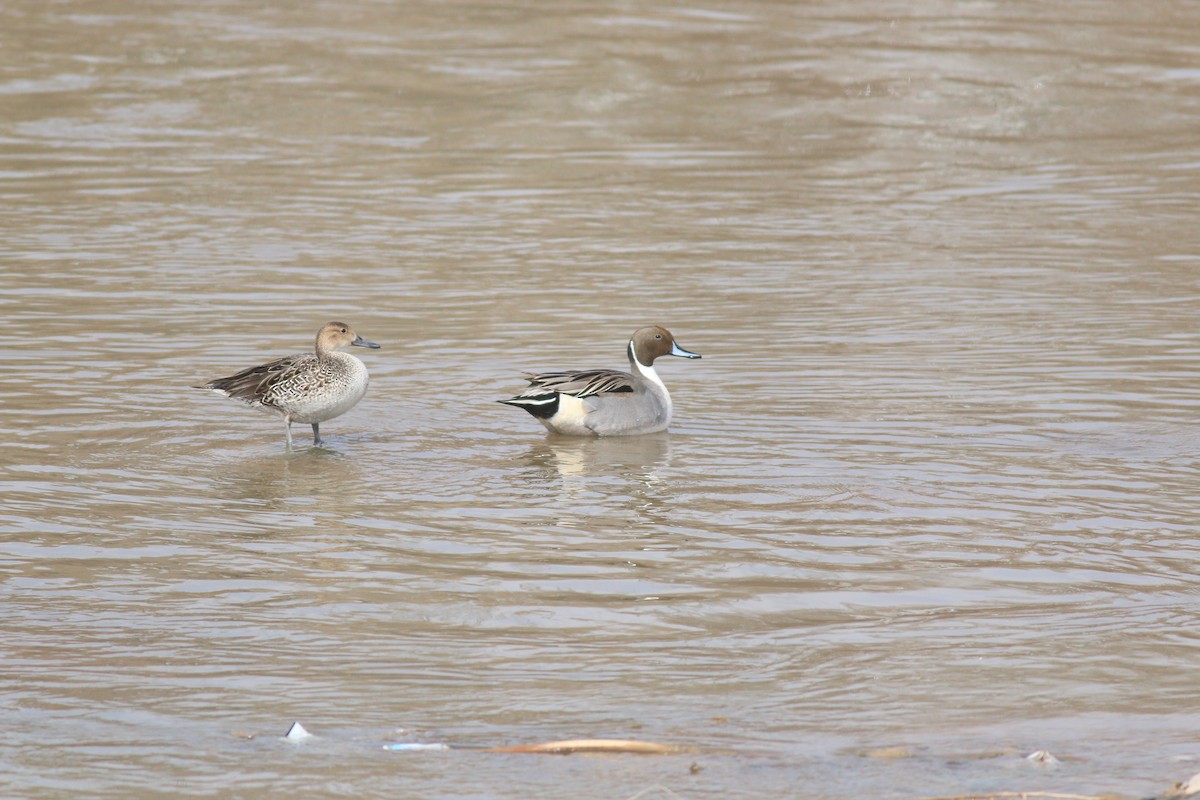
x: 416, y: 746
x: 296, y: 733
x: 1041, y: 757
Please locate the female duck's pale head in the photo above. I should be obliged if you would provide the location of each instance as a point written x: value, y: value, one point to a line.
x: 647, y: 344
x: 338, y: 336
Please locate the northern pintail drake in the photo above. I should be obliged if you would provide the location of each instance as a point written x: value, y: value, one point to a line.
x: 606, y: 402
x: 306, y: 387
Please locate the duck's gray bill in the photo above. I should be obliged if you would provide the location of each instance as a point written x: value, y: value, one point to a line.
x: 676, y: 350
x: 361, y: 342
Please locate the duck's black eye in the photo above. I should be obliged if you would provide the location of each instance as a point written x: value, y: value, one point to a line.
x: 343, y: 330
x: 658, y: 336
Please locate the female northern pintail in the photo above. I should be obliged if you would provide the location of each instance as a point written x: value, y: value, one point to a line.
x: 605, y: 402
x: 306, y: 387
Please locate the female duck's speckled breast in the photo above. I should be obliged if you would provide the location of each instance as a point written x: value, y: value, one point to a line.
x: 323, y: 389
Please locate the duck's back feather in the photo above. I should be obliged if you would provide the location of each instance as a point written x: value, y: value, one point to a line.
x: 264, y: 384
x: 584, y: 383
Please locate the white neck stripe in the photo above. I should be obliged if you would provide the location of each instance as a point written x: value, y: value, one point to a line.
x: 649, y: 374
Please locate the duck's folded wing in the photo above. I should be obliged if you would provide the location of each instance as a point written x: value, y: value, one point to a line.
x: 581, y: 384
x: 253, y: 384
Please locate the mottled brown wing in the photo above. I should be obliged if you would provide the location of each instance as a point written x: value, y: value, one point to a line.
x: 253, y: 385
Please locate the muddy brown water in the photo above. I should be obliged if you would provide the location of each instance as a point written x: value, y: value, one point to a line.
x: 933, y: 485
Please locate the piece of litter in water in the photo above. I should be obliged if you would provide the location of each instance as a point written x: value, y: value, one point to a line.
x: 417, y: 746
x: 296, y: 733
x: 1042, y: 757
